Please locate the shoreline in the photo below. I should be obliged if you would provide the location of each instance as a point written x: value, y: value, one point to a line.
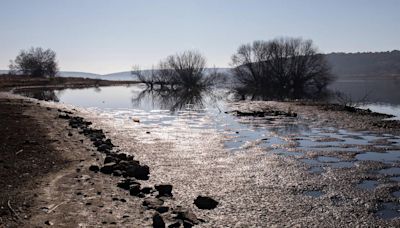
x: 69, y: 181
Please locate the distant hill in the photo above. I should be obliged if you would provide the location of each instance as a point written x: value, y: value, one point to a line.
x: 344, y: 65
x: 365, y: 64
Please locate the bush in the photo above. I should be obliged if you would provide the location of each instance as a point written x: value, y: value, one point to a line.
x: 35, y: 62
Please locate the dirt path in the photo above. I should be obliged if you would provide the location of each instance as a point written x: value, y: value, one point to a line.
x: 45, y: 176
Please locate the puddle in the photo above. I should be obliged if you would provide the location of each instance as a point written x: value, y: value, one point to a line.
x: 314, y: 193
x: 390, y: 171
x: 328, y: 159
x: 316, y: 170
x: 341, y: 164
x: 388, y: 211
x: 395, y: 179
x: 396, y: 194
x: 287, y: 153
x: 368, y: 184
x: 310, y: 161
x: 386, y: 157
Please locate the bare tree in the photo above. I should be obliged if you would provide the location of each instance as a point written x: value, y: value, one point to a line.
x: 185, y: 70
x: 280, y: 68
x: 35, y: 62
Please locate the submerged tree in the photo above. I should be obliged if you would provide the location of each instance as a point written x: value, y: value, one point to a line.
x: 187, y: 69
x: 280, y: 68
x: 35, y: 62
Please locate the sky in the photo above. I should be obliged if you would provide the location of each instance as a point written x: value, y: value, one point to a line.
x: 107, y: 36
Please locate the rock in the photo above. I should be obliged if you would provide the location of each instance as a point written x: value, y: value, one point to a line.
x: 108, y: 168
x: 146, y: 190
x: 186, y: 216
x: 204, y: 202
x: 94, y: 168
x: 138, y: 171
x: 97, y: 143
x: 117, y: 173
x: 164, y: 190
x: 122, y: 156
x: 134, y: 189
x: 175, y: 225
x: 108, y: 142
x: 153, y: 203
x: 66, y: 117
x: 110, y: 159
x: 104, y: 147
x: 158, y: 221
x: 126, y: 184
x: 48, y: 223
x: 162, y: 209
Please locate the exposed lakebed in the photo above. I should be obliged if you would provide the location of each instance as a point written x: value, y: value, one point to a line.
x: 182, y: 138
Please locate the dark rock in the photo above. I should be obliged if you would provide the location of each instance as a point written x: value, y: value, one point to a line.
x: 175, y: 225
x: 117, y: 173
x: 146, y: 190
x: 110, y: 159
x: 162, y: 209
x: 186, y: 215
x: 204, y: 202
x: 122, y: 156
x: 66, y: 117
x: 153, y: 203
x: 126, y: 184
x: 104, y: 147
x: 108, y: 142
x: 97, y: 143
x: 187, y: 224
x: 134, y: 189
x: 94, y: 168
x: 138, y: 171
x: 164, y: 190
x: 108, y: 168
x: 158, y: 221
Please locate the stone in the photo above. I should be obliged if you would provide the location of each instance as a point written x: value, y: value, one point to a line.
x: 146, y: 190
x: 162, y: 209
x: 104, y: 147
x: 126, y: 184
x: 140, y: 172
x: 134, y: 189
x: 205, y: 203
x: 108, y: 168
x: 153, y: 203
x: 164, y: 190
x: 158, y: 221
x: 94, y: 168
x: 186, y: 215
x: 110, y: 159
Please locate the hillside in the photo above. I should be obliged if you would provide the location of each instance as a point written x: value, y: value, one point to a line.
x: 365, y: 64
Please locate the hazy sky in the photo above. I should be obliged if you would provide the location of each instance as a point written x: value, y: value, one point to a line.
x: 104, y: 36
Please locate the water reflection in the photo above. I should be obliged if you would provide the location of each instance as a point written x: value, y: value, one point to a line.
x: 42, y: 94
x: 175, y: 99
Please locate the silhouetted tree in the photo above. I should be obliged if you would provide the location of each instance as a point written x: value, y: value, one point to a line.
x: 280, y: 68
x: 35, y: 62
x: 187, y: 69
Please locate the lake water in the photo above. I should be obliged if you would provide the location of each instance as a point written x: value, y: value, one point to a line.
x: 185, y: 121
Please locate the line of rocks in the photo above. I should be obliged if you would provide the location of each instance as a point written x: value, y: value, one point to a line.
x: 123, y: 165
